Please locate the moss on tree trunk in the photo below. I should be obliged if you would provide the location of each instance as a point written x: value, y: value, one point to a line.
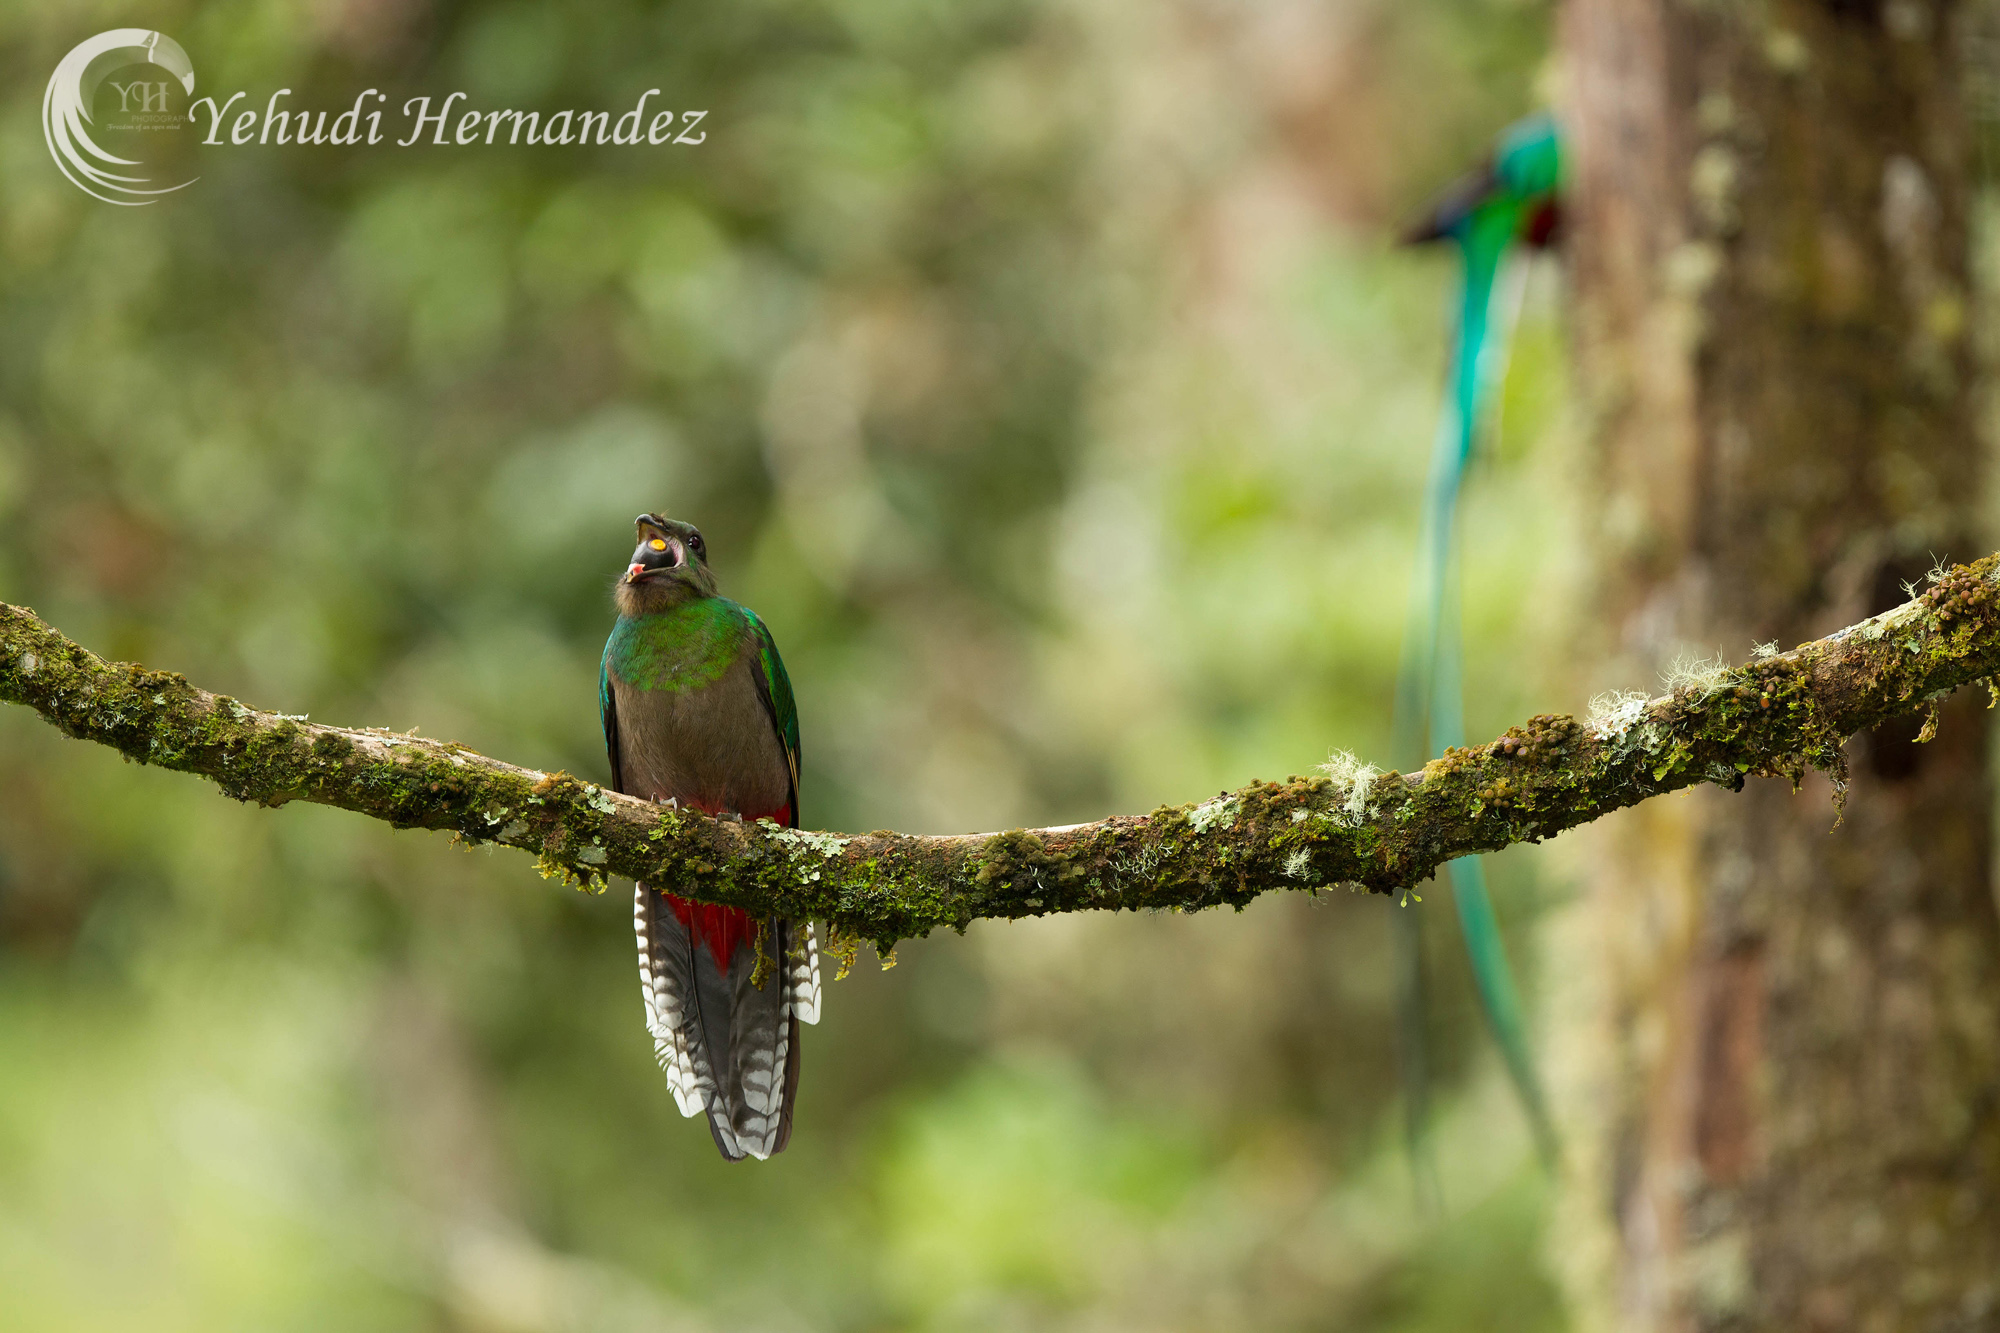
x: 1796, y: 1122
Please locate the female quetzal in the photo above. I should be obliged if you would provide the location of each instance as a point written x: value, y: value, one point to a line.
x: 1511, y: 200
x: 698, y: 712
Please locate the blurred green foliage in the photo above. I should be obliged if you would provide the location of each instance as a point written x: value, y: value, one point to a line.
x: 1040, y: 372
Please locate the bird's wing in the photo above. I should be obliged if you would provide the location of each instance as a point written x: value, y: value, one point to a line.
x: 607, y: 710
x: 1448, y: 212
x: 774, y: 690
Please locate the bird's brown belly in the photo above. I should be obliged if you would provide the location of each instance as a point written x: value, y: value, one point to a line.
x: 714, y: 748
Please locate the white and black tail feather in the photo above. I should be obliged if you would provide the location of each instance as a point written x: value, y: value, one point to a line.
x: 728, y: 1048
x: 667, y: 980
x: 802, y: 974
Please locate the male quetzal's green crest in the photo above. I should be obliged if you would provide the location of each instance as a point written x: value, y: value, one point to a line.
x: 698, y: 713
x: 1511, y: 201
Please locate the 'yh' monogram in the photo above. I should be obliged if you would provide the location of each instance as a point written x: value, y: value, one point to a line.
x: 152, y: 96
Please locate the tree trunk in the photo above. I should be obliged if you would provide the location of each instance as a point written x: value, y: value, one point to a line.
x: 1794, y: 1036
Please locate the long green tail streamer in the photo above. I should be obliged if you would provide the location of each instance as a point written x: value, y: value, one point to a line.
x: 1429, y: 714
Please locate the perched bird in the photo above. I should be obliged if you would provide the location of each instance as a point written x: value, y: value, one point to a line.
x: 1510, y: 201
x: 698, y: 712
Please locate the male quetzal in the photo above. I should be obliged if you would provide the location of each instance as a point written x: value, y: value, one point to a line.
x: 1510, y: 200
x: 698, y: 712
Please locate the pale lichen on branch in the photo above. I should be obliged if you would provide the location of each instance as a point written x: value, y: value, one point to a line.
x: 1350, y: 824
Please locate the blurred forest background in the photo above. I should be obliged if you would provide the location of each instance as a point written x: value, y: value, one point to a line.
x: 1044, y: 374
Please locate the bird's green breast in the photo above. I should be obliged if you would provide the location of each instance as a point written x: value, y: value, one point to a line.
x: 684, y: 649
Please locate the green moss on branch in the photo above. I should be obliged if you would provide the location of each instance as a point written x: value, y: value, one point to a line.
x: 1777, y: 716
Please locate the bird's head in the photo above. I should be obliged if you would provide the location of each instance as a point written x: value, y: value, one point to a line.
x: 1512, y: 196
x: 668, y: 567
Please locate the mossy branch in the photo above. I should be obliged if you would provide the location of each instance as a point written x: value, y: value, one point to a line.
x: 1777, y: 716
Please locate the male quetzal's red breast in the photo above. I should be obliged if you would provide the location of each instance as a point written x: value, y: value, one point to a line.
x: 698, y: 711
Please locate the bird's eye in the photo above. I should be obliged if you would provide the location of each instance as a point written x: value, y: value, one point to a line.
x: 657, y: 544
x: 698, y: 544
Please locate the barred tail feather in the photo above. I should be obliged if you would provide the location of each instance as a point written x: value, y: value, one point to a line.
x: 760, y: 1047
x: 802, y: 975
x: 666, y: 978
x: 729, y: 1049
